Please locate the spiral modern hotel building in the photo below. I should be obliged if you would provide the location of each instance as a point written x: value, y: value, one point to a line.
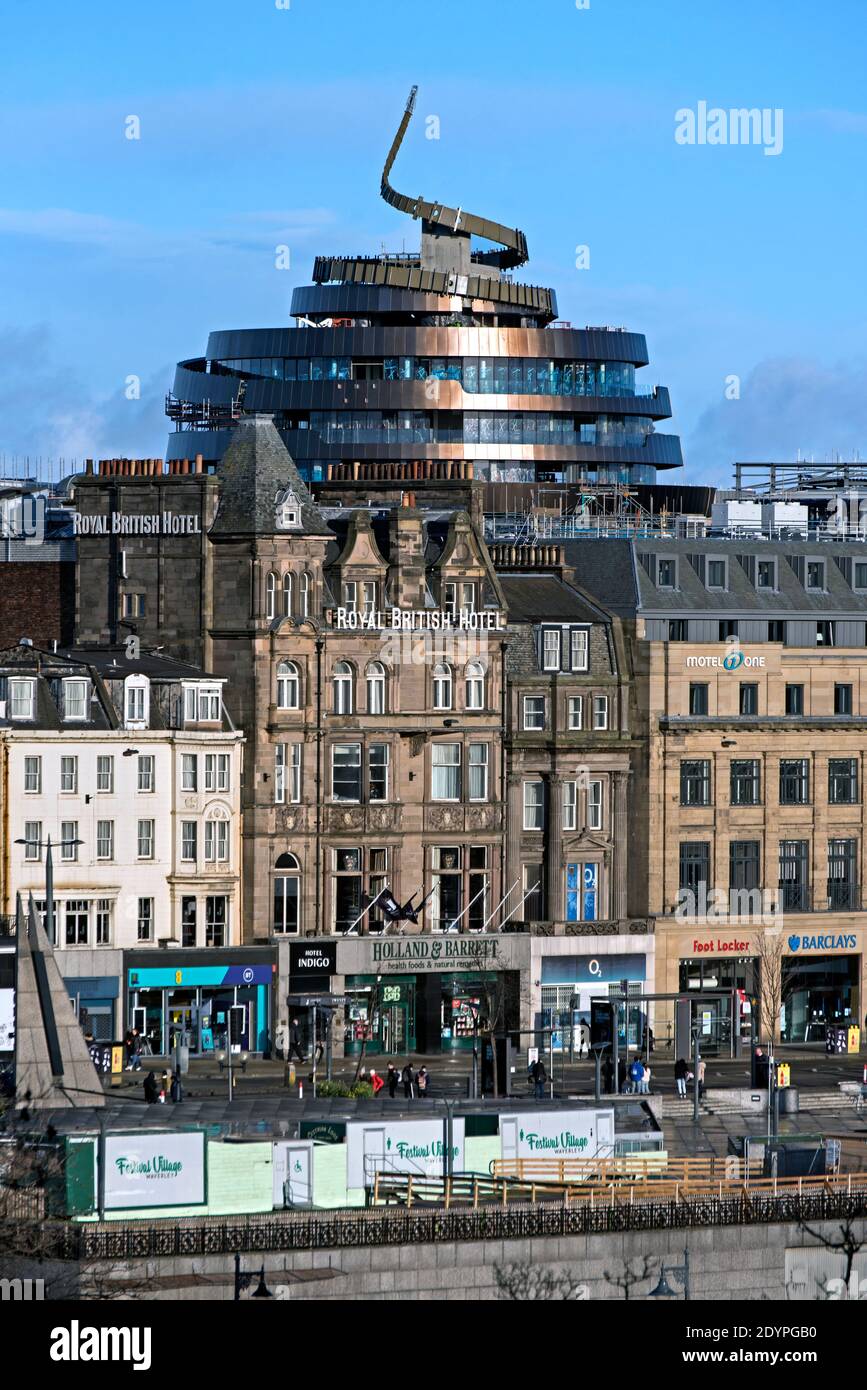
x: 436, y: 365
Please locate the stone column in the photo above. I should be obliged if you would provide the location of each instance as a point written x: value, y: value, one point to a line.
x: 554, y: 849
x: 514, y: 830
x: 619, y: 835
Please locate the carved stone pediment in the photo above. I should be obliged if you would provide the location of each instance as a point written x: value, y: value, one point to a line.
x: 587, y: 840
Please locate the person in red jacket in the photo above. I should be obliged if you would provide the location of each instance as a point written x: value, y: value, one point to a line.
x: 376, y: 1082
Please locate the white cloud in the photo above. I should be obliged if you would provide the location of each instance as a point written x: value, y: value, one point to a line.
x: 787, y: 405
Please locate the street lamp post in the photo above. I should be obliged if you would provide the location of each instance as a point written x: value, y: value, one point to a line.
x: 681, y: 1272
x: 50, y: 923
x: 243, y: 1280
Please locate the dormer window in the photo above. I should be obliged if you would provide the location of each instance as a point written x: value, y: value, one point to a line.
x: 459, y: 598
x: 350, y: 596
x: 136, y: 702
x: 815, y: 575
x: 202, y: 704
x: 288, y: 511
x: 766, y: 575
x: 716, y: 574
x: 22, y: 698
x: 666, y: 573
x: 75, y: 699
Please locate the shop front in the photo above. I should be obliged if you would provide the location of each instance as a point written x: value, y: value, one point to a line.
x: 819, y: 974
x: 568, y: 973
x: 94, y: 1001
x: 820, y: 990
x: 428, y: 994
x: 201, y: 1005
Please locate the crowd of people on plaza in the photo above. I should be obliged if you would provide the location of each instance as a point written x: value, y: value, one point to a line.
x: 415, y: 1084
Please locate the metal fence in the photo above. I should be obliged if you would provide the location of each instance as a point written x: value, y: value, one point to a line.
x: 363, y: 1228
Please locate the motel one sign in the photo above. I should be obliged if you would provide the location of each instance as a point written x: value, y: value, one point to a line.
x: 426, y: 620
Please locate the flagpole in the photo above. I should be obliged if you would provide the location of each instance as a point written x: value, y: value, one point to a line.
x: 467, y: 908
x: 536, y: 885
x: 500, y: 903
x: 365, y: 910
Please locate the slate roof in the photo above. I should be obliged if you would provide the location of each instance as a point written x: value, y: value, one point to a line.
x: 741, y: 595
x: 256, y: 468
x: 605, y: 569
x: 533, y: 598
x: 113, y: 661
x: 105, y: 669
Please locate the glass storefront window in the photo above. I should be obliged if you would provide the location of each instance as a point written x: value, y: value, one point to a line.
x: 816, y: 993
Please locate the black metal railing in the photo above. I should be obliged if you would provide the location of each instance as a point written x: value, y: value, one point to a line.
x: 380, y: 1227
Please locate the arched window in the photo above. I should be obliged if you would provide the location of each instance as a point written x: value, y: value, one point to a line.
x: 287, y: 594
x: 376, y: 688
x: 341, y: 682
x: 288, y: 686
x: 304, y: 596
x: 474, y: 678
x: 287, y: 895
x: 442, y: 686
x: 271, y: 595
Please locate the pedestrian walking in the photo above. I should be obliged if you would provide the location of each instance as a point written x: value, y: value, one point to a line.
x: 392, y: 1076
x: 422, y: 1080
x: 295, y: 1042
x: 376, y: 1082
x: 151, y: 1089
x: 539, y: 1076
x: 407, y: 1076
x: 133, y: 1050
x: 702, y: 1068
x: 636, y: 1077
x: 621, y: 1075
x: 645, y: 1080
x: 176, y: 1090
x: 681, y: 1072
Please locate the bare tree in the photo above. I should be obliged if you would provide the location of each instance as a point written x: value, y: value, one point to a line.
x: 37, y: 1239
x: 846, y: 1243
x: 774, y: 988
x: 526, y: 1283
x: 491, y: 1012
x: 635, y: 1272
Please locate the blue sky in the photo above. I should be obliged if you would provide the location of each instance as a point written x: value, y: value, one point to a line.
x: 263, y: 126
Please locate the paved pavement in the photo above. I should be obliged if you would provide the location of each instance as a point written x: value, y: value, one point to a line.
x: 811, y: 1070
